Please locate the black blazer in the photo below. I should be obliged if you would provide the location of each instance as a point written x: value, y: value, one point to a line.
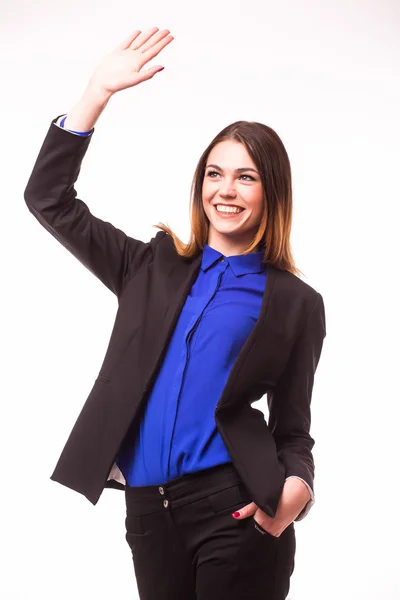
x: 151, y: 282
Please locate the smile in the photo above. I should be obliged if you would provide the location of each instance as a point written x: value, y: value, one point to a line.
x: 230, y: 211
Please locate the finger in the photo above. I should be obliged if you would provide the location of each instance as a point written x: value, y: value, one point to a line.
x: 144, y: 37
x: 152, y: 52
x: 128, y: 41
x: 154, y: 39
x: 149, y: 73
x: 246, y: 511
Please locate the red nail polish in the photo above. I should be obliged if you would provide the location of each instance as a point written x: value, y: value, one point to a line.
x: 236, y: 514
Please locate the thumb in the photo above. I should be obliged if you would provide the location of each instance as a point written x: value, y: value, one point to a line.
x: 246, y: 511
x: 148, y: 73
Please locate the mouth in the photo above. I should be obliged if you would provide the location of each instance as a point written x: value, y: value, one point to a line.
x: 228, y: 212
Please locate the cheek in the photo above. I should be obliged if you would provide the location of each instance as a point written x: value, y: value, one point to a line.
x: 206, y: 192
x: 207, y: 209
x: 206, y: 201
x: 257, y: 207
x: 204, y: 197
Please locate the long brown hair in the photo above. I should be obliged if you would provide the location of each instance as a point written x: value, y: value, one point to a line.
x: 271, y: 159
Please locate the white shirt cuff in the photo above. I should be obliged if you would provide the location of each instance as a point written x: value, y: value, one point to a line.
x: 309, y: 504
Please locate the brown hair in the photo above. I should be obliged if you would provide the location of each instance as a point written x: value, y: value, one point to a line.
x: 271, y: 159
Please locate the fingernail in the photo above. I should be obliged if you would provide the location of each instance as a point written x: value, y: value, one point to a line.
x: 162, y: 69
x: 236, y: 514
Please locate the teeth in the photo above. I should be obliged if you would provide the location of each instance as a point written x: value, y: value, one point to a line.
x: 230, y: 209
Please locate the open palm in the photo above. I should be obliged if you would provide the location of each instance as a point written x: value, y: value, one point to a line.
x: 121, y: 68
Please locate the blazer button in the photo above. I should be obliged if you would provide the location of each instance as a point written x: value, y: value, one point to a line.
x: 165, y: 503
x: 161, y: 490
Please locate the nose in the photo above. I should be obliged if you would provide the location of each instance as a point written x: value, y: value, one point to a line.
x: 227, y: 188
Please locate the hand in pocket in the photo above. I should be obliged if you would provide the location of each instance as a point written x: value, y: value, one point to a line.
x: 274, y: 527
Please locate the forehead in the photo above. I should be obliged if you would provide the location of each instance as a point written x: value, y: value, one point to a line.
x: 230, y: 154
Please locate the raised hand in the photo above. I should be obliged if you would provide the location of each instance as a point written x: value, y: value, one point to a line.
x: 121, y: 68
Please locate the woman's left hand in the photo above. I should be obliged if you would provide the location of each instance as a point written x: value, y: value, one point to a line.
x: 293, y: 499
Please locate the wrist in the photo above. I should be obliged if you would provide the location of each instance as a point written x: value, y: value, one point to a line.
x: 96, y: 95
x: 86, y: 112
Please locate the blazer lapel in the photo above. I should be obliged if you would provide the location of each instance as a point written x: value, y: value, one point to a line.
x: 178, y: 283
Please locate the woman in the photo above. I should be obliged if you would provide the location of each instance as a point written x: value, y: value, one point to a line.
x: 202, y: 331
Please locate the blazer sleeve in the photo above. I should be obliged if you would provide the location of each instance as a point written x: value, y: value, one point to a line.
x: 110, y: 254
x: 289, y: 401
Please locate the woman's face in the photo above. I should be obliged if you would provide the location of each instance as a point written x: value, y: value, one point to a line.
x: 231, y: 180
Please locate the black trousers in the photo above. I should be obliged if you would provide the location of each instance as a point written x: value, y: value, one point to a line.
x: 187, y: 546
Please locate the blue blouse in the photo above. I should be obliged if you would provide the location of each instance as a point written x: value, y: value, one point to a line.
x: 177, y: 433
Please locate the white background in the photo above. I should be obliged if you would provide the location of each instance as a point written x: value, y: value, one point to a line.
x: 325, y: 76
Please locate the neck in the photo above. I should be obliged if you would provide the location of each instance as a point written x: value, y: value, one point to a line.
x: 229, y: 245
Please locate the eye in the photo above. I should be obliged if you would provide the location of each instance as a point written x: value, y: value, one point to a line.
x: 216, y: 173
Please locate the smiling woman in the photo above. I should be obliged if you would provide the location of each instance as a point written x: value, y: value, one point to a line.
x: 245, y: 166
x: 195, y: 343
x: 240, y: 199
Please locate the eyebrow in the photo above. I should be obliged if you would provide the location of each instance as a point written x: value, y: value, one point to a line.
x: 236, y: 170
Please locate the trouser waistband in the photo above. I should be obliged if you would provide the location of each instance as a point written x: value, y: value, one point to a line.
x: 182, y: 490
